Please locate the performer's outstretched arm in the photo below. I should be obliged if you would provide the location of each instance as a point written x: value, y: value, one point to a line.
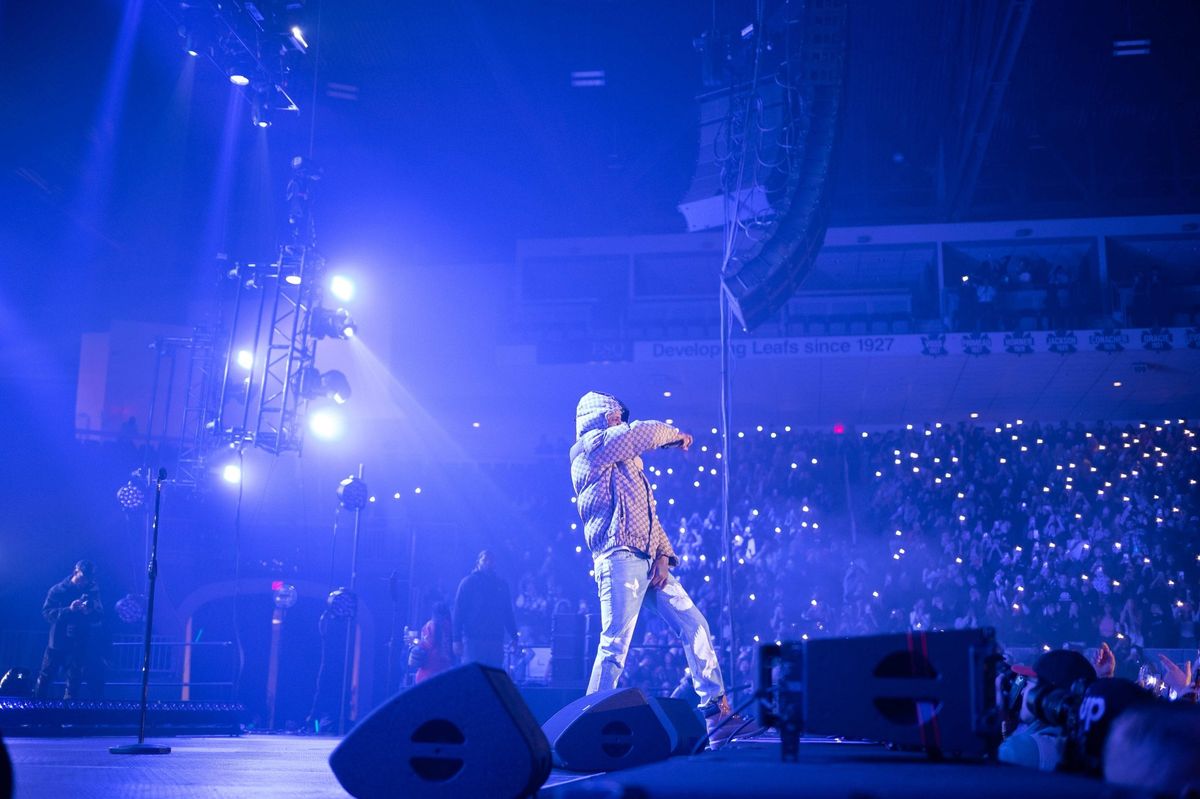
x: 625, y: 441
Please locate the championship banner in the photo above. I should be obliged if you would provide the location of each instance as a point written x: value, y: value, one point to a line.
x: 933, y: 345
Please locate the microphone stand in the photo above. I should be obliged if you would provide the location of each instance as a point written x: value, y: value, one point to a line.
x: 141, y: 747
x: 351, y: 625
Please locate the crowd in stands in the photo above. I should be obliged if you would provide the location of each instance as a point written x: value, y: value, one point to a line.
x: 1052, y: 534
x: 989, y: 294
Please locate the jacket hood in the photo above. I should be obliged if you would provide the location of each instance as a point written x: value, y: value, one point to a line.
x: 592, y: 412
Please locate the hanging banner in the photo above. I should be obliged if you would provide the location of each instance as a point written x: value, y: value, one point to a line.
x: 933, y: 345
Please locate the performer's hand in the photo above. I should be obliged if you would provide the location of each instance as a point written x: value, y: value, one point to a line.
x: 661, y: 570
x: 76, y: 605
x: 687, y: 442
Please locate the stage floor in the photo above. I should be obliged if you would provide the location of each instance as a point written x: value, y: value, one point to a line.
x: 213, y: 767
x: 259, y: 766
x: 296, y: 767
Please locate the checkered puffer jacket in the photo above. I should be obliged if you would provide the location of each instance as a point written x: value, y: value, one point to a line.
x: 612, y: 493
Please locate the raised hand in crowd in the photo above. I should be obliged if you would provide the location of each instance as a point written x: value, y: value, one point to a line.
x: 1176, y: 678
x: 1105, y: 663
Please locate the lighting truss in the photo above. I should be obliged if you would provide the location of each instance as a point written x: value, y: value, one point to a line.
x: 260, y: 40
x: 197, y: 435
x: 291, y: 348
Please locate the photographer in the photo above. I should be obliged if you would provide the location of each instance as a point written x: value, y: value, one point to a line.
x: 1038, y: 741
x: 72, y: 607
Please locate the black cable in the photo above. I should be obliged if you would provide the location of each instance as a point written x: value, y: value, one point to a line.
x: 745, y: 724
x: 699, y: 747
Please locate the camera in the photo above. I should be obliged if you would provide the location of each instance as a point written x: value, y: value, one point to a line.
x: 1058, y: 707
x: 86, y: 603
x: 1010, y: 685
x: 1050, y: 704
x: 1067, y: 709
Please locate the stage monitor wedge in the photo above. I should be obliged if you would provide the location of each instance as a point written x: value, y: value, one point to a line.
x: 610, y: 730
x: 466, y: 732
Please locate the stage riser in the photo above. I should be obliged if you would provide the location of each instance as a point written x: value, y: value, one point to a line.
x: 22, y: 717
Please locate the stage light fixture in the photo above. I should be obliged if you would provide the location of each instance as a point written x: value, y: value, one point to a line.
x: 326, y: 424
x: 286, y: 594
x: 298, y: 38
x: 288, y: 271
x: 332, y: 384
x: 334, y: 324
x: 342, y: 288
x: 245, y: 359
x: 232, y: 473
x: 261, y: 106
x: 131, y: 496
x: 130, y: 608
x: 194, y: 30
x: 240, y: 68
x: 353, y: 493
x: 335, y: 385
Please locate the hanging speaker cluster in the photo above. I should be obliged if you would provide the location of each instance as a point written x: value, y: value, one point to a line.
x: 763, y: 278
x: 774, y: 144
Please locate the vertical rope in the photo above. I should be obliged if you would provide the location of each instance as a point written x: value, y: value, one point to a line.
x: 731, y: 228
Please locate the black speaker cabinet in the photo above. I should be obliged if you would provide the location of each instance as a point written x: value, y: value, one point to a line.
x: 610, y: 730
x: 466, y: 732
x: 932, y: 691
x: 6, y: 775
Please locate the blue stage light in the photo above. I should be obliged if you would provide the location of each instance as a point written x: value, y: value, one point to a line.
x: 232, y: 473
x: 341, y: 287
x: 326, y: 424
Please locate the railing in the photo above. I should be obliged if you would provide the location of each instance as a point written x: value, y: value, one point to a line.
x: 173, y: 672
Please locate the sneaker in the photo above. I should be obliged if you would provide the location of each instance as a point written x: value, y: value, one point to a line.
x: 723, y: 724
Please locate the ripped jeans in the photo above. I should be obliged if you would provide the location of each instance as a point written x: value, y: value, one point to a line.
x: 623, y: 578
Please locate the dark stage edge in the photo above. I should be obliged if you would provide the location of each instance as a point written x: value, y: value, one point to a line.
x: 752, y: 769
x: 296, y: 767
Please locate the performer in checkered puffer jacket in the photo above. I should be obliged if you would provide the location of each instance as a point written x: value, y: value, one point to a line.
x: 630, y: 549
x: 614, y: 496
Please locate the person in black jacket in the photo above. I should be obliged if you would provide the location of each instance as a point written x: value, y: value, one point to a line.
x: 71, y: 607
x: 483, y: 615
